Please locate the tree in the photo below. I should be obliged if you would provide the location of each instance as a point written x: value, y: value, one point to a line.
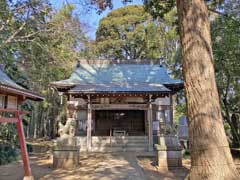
x: 50, y: 57
x: 39, y: 45
x: 210, y: 153
x: 226, y: 40
x: 209, y: 147
x: 131, y: 33
x: 20, y: 23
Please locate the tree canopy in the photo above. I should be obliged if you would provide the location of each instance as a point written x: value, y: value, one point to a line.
x: 131, y: 33
x: 39, y: 45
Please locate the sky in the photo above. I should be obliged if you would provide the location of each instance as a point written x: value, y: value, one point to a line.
x: 90, y: 18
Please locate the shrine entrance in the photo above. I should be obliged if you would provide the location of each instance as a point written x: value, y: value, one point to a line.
x: 120, y: 122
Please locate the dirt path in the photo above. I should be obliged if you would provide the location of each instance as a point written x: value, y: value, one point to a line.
x: 98, y: 166
x: 93, y: 167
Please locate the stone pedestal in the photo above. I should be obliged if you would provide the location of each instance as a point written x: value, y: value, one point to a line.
x: 169, y: 153
x: 66, y: 153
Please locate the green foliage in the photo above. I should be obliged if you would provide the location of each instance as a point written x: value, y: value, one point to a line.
x: 131, y: 33
x: 226, y: 40
x: 160, y: 7
x: 121, y: 35
x: 38, y: 45
x: 226, y: 43
x: 7, y: 154
x: 180, y: 110
x: 101, y: 5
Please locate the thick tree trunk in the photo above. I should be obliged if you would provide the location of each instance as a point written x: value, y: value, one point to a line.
x: 210, y: 153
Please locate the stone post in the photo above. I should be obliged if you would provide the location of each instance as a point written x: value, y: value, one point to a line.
x: 66, y: 150
x: 65, y: 153
x: 168, y: 148
x: 169, y: 152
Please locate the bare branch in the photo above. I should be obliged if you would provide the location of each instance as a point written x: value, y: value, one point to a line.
x: 15, y: 33
x: 223, y: 14
x: 4, y: 25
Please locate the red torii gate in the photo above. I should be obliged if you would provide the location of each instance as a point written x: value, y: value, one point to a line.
x: 11, y: 96
x: 18, y: 120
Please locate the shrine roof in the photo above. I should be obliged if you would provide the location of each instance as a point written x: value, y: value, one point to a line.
x: 112, y: 76
x: 8, y: 85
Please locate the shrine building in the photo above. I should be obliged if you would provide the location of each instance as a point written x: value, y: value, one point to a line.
x: 110, y: 99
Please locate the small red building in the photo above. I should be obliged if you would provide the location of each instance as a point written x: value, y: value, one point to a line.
x: 11, y: 96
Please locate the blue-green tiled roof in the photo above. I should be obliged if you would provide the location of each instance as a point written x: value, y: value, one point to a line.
x: 111, y: 77
x: 119, y: 73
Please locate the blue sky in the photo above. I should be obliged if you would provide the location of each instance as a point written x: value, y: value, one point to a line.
x: 90, y: 18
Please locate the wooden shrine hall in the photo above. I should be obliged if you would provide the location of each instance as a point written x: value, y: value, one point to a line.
x: 11, y: 97
x: 109, y: 99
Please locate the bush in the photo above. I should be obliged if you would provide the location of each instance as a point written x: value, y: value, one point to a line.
x: 8, y: 154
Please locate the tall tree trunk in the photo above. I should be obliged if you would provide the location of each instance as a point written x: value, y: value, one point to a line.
x: 210, y: 152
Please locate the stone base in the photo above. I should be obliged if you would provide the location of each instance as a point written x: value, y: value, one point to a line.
x: 66, y: 153
x: 28, y: 178
x: 169, y: 158
x: 169, y: 152
x: 65, y: 159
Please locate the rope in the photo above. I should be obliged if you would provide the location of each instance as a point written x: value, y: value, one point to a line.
x: 216, y: 147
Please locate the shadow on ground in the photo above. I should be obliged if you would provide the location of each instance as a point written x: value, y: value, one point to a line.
x: 152, y: 172
x: 96, y: 166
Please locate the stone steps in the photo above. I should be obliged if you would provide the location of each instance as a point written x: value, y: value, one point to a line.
x: 118, y: 149
x: 119, y: 143
x: 115, y: 144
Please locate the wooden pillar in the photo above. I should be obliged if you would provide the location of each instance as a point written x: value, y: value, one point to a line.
x: 150, y: 130
x: 171, y: 110
x: 24, y: 153
x: 89, y: 125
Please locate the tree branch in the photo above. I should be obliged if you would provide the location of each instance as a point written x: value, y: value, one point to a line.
x: 223, y: 14
x: 15, y: 33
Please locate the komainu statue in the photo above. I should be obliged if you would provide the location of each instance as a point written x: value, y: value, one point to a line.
x: 68, y: 130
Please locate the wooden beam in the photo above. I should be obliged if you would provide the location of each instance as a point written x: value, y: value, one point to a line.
x: 13, y: 111
x: 120, y: 106
x: 8, y: 120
